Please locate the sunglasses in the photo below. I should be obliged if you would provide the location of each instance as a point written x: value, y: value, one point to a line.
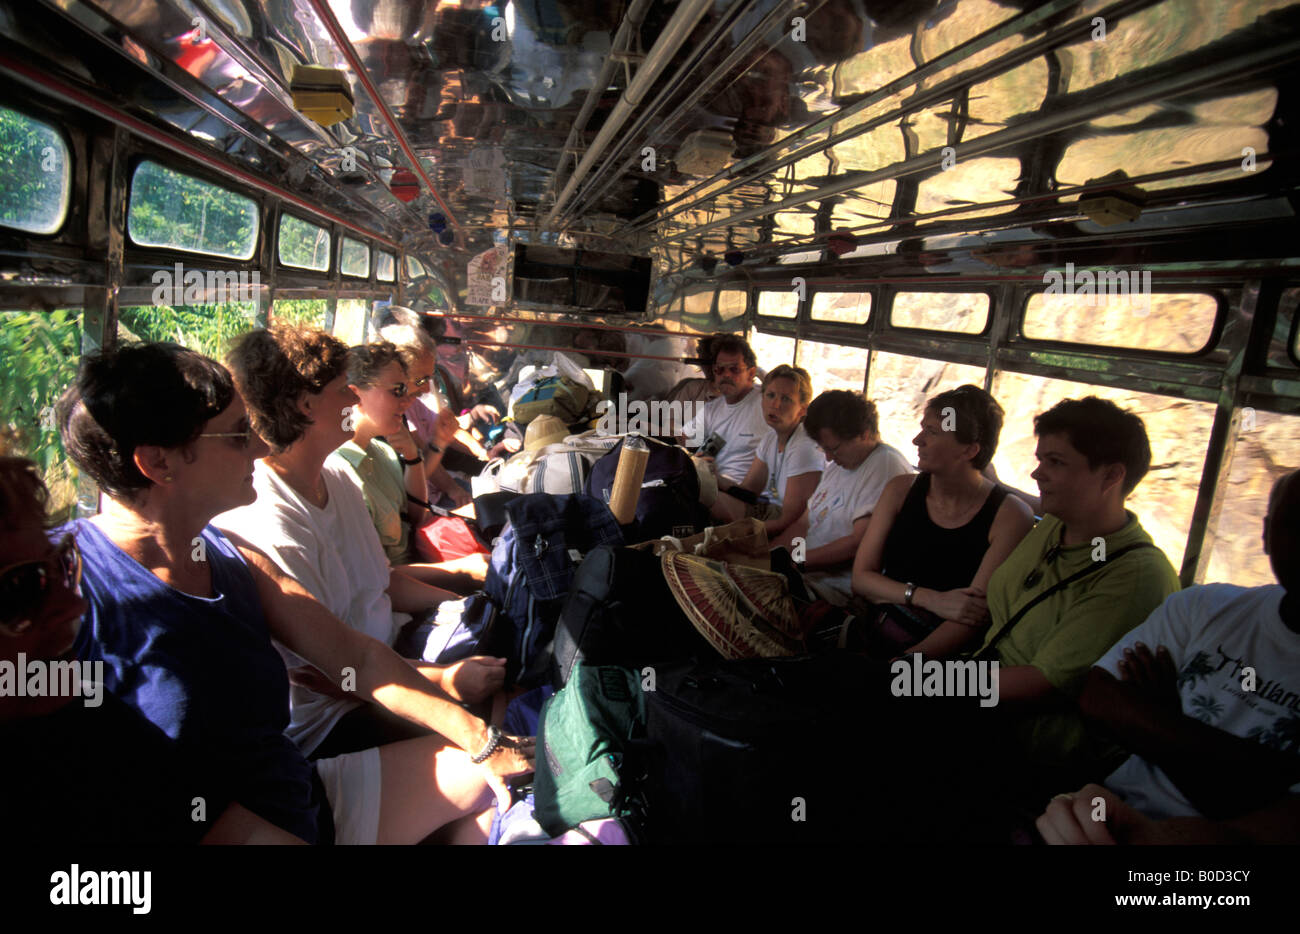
x: 720, y: 370
x: 398, y: 391
x: 422, y: 382
x: 25, y: 587
x: 245, y: 436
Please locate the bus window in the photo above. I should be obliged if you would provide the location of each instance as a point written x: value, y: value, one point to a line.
x: 385, y: 266
x: 842, y: 307
x: 953, y: 312
x: 1267, y: 445
x: 732, y: 303
x: 181, y: 212
x: 414, y: 268
x: 303, y: 244
x: 41, y: 352
x: 1165, y: 321
x: 299, y: 312
x: 350, y: 320
x: 899, y: 386
x: 209, y: 329
x: 355, y: 258
x: 35, y: 174
x: 778, y: 304
x: 833, y: 366
x: 771, y: 349
x: 1178, y: 429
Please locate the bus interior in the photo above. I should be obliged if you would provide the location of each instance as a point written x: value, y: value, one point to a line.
x: 1043, y: 198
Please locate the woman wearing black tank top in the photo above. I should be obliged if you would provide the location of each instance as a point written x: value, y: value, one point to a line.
x: 936, y: 537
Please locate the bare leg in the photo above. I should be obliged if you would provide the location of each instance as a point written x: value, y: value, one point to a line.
x: 426, y: 785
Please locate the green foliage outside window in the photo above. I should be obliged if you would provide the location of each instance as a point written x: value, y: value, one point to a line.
x: 34, y: 174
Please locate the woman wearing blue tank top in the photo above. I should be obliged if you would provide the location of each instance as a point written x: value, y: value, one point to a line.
x: 184, y: 619
x: 937, y: 536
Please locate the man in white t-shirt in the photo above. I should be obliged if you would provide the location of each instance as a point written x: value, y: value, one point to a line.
x: 846, y: 428
x: 736, y: 416
x: 1206, y: 695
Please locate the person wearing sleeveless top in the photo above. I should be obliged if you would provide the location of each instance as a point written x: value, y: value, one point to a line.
x: 937, y: 536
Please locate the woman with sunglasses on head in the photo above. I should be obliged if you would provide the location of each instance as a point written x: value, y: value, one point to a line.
x: 312, y: 521
x: 385, y: 462
x: 937, y: 536
x: 184, y: 620
x: 60, y: 750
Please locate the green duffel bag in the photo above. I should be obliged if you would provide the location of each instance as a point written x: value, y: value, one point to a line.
x: 583, y: 738
x: 566, y: 399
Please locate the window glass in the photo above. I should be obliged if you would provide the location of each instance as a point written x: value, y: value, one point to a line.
x: 833, y: 366
x: 414, y: 268
x: 350, y: 320
x: 771, y: 349
x: 385, y: 266
x: 953, y: 312
x: 1178, y: 429
x: 209, y: 329
x: 1137, y: 319
x: 1267, y: 446
x: 731, y: 303
x: 899, y: 386
x: 355, y: 260
x: 40, y: 352
x: 35, y: 174
x: 697, y: 304
x: 180, y: 212
x: 303, y: 244
x: 842, y: 307
x: 778, y: 304
x: 297, y: 312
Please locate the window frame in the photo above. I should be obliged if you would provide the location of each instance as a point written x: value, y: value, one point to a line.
x: 206, y: 177
x: 1211, y: 342
x: 67, y: 141
x: 279, y: 260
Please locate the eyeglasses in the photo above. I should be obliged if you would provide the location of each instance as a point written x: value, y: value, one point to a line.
x: 830, y: 451
x: 25, y: 587
x: 422, y: 382
x: 1034, y: 576
x: 720, y: 370
x: 398, y: 391
x: 245, y: 436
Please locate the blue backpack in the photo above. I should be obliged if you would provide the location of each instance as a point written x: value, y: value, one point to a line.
x: 532, y: 569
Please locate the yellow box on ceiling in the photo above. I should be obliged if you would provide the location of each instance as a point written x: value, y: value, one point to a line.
x: 323, y: 94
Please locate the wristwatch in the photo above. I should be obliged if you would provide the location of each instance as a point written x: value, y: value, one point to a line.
x: 494, y: 737
x: 909, y: 594
x: 410, y: 462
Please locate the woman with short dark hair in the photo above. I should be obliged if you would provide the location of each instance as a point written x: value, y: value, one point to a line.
x: 184, y: 618
x: 937, y: 536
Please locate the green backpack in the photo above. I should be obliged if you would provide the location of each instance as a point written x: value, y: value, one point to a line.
x: 583, y: 736
x: 566, y: 399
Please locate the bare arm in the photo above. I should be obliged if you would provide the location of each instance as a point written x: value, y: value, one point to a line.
x: 841, y: 551
x: 298, y: 621
x: 794, y: 501
x: 867, y: 579
x: 1222, y: 775
x: 409, y: 594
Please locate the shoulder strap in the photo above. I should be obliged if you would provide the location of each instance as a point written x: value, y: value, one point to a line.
x: 1092, y: 567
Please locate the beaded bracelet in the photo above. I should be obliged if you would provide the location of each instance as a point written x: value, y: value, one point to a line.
x: 493, y: 741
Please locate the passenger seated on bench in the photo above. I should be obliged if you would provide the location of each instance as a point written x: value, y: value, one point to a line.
x: 936, y: 537
x: 434, y: 431
x: 1205, y: 695
x: 737, y: 416
x: 787, y: 464
x: 1091, y: 455
x: 846, y: 428
x: 384, y: 462
x: 63, y: 777
x: 311, y: 520
x: 184, y: 620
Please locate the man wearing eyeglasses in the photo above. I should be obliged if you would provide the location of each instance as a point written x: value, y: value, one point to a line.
x: 736, y: 417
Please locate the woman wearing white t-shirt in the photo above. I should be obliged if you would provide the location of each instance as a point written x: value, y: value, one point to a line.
x: 312, y: 521
x: 787, y: 463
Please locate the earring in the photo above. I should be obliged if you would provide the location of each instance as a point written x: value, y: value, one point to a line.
x: 168, y: 479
